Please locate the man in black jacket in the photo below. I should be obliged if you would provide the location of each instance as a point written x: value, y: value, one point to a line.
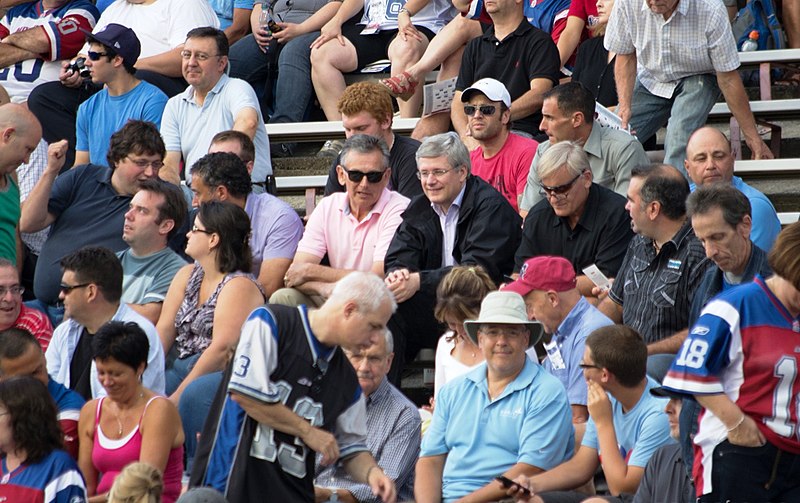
x: 459, y: 220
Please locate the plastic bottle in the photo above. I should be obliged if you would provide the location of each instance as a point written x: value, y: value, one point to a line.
x: 264, y: 19
x: 751, y: 44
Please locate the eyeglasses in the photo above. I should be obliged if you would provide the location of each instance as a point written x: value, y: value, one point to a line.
x: 436, y: 173
x: 94, y: 56
x: 199, y: 56
x: 14, y: 290
x: 558, y: 190
x: 485, y: 109
x: 68, y: 288
x: 585, y: 366
x: 195, y: 228
x: 144, y: 163
x: 357, y: 176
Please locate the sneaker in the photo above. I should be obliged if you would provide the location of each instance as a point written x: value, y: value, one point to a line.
x: 331, y: 148
x: 281, y: 150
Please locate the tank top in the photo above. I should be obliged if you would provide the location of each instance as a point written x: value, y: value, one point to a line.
x: 110, y: 456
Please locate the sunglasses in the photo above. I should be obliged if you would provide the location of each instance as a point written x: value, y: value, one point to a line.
x: 485, y: 109
x: 68, y: 288
x: 558, y: 190
x: 357, y: 176
x: 94, y: 56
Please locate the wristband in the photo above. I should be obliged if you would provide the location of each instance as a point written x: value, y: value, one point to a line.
x: 406, y: 11
x: 738, y: 423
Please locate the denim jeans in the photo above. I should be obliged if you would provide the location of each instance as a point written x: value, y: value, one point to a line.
x: 686, y: 111
x: 55, y: 313
x: 193, y: 408
x: 293, y: 90
x: 658, y: 365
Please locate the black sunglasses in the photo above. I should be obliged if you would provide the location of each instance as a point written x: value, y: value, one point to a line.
x: 357, y: 176
x: 68, y: 288
x: 94, y: 56
x: 485, y: 109
x: 558, y: 189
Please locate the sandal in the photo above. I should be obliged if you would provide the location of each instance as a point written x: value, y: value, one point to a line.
x: 401, y: 86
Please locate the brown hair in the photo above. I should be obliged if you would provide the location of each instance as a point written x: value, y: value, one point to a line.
x: 784, y: 258
x: 622, y: 351
x: 461, y: 291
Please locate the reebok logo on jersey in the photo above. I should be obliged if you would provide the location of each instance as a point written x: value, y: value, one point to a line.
x: 304, y: 382
x: 699, y: 330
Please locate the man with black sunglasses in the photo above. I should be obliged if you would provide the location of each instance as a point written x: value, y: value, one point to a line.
x: 353, y: 229
x: 568, y: 112
x: 113, y: 52
x: 579, y: 219
x: 502, y: 158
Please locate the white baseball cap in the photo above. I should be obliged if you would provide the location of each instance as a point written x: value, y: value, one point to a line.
x: 491, y: 88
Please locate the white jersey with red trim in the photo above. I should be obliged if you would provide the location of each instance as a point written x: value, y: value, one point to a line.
x: 60, y: 25
x: 745, y: 344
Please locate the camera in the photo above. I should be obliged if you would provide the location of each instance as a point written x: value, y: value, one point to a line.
x: 79, y: 66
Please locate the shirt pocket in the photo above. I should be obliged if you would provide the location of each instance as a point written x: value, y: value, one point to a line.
x: 665, y: 292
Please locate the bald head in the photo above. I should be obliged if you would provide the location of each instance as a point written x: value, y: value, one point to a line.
x: 20, y: 133
x: 708, y: 157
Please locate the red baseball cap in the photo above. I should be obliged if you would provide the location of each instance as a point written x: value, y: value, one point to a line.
x: 544, y: 273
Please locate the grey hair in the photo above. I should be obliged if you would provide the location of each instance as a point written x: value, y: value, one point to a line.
x: 387, y: 335
x: 365, y: 144
x: 446, y: 145
x: 366, y: 289
x: 563, y: 154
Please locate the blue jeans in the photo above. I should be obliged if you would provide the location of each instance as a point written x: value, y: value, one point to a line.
x: 177, y: 369
x: 658, y: 365
x: 293, y: 90
x: 55, y: 313
x: 193, y: 408
x: 686, y: 111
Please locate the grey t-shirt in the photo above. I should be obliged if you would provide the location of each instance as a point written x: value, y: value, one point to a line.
x: 147, y: 279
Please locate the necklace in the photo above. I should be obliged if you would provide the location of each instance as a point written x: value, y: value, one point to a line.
x: 117, y: 416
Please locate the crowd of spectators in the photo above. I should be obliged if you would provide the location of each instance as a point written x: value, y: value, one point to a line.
x: 162, y: 310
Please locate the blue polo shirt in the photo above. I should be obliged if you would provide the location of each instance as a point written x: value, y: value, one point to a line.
x: 530, y: 422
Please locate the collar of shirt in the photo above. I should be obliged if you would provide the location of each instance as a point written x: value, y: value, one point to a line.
x: 188, y: 94
x: 573, y: 320
x: 380, y: 393
x: 523, y: 28
x: 455, y: 204
x: 594, y: 143
x: 524, y: 379
x: 376, y: 210
x: 682, y: 8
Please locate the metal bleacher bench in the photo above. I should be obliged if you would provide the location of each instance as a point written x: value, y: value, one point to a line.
x: 766, y: 109
x: 325, y: 130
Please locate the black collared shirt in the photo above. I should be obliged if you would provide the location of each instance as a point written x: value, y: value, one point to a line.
x: 527, y: 53
x: 600, y: 237
x: 656, y: 290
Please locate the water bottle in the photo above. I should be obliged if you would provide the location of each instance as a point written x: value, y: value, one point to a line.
x: 264, y: 19
x: 751, y: 44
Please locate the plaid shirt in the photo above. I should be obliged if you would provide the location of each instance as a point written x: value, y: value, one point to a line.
x: 393, y: 438
x: 28, y: 174
x: 656, y: 290
x: 696, y: 39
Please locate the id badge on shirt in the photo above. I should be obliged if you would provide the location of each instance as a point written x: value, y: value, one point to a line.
x: 556, y: 360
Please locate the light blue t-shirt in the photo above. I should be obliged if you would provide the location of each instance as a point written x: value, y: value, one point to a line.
x: 640, y: 431
x: 530, y: 422
x: 275, y: 229
x: 224, y: 10
x: 102, y: 115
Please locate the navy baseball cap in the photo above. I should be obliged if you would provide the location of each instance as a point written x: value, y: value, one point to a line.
x: 120, y: 39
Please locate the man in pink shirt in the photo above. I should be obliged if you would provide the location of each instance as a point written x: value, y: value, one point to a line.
x: 353, y: 228
x: 15, y: 314
x: 502, y: 158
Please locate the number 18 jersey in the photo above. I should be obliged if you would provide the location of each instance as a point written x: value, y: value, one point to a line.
x: 747, y: 345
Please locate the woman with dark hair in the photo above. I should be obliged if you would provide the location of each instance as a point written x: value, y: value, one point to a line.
x: 209, y: 300
x: 35, y: 468
x: 131, y: 423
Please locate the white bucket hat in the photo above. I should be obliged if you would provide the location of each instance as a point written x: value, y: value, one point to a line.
x: 504, y: 308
